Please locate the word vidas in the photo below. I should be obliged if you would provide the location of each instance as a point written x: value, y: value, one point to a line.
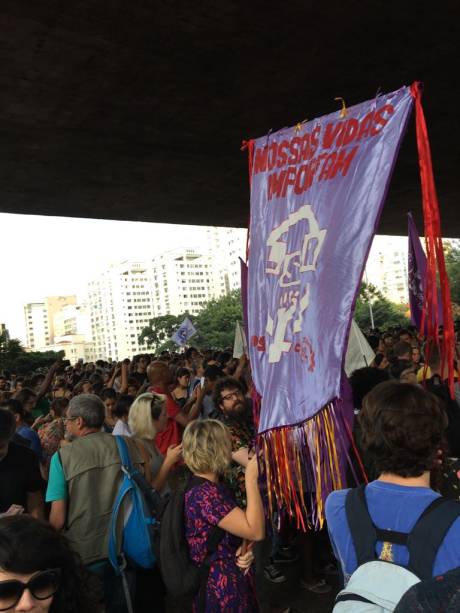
x: 317, y: 155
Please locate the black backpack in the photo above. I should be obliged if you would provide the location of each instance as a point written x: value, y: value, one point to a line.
x: 377, y: 585
x: 181, y: 576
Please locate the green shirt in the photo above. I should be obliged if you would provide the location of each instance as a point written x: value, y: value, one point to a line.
x: 41, y: 408
x: 57, y: 486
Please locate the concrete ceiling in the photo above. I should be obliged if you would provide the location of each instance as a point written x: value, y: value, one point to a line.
x: 135, y: 109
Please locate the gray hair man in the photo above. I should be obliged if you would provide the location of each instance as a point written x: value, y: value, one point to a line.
x: 85, y: 476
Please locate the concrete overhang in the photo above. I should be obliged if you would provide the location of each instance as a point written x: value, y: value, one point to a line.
x: 136, y: 110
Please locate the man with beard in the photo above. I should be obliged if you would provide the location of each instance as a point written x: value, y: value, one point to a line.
x: 235, y: 413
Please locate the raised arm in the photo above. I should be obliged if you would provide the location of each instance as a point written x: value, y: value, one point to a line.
x: 249, y: 524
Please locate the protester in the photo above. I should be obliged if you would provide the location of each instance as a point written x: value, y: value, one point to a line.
x: 160, y: 380
x: 404, y: 371
x: 51, y: 432
x: 22, y: 429
x: 121, y: 412
x: 402, y: 430
x: 234, y: 411
x: 109, y: 398
x: 139, y: 372
x: 207, y: 453
x: 84, y: 480
x: 28, y: 399
x: 181, y: 391
x: 212, y: 374
x: 20, y: 480
x: 417, y: 357
x: 148, y: 418
x: 39, y: 572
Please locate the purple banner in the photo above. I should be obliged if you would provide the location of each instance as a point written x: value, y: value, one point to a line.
x: 417, y: 273
x: 417, y: 277
x: 316, y: 196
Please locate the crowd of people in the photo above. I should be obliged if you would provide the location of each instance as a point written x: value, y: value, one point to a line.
x: 187, y: 419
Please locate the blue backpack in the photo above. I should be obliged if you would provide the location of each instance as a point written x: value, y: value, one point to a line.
x: 140, y: 505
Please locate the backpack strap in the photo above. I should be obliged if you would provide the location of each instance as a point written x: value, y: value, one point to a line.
x: 124, y: 453
x: 362, y: 529
x: 214, y: 538
x: 364, y: 532
x: 428, y: 534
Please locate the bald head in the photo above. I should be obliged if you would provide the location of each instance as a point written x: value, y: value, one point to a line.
x: 158, y: 373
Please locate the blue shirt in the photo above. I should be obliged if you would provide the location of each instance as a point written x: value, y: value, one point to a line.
x: 391, y: 507
x: 33, y: 437
x: 57, y: 485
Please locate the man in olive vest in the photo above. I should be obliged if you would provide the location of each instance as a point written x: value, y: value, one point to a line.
x: 84, y: 480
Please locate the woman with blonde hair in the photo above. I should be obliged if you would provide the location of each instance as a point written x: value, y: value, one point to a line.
x: 147, y: 417
x: 207, y: 452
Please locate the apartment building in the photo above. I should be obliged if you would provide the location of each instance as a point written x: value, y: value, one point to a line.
x: 120, y: 303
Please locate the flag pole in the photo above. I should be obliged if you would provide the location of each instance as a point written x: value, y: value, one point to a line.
x: 369, y: 303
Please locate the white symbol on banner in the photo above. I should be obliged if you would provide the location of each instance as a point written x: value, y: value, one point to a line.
x: 289, y: 267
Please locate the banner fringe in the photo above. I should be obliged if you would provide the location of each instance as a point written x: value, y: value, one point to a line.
x: 304, y: 463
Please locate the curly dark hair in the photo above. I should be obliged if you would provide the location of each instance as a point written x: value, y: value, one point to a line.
x: 225, y: 383
x: 403, y: 427
x: 363, y: 380
x: 28, y: 545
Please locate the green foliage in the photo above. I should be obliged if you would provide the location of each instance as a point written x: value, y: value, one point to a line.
x: 215, y: 325
x: 159, y: 331
x: 216, y: 322
x: 453, y: 270
x: 386, y: 313
x: 16, y: 360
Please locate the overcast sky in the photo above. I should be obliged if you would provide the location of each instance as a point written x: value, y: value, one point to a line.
x: 45, y: 256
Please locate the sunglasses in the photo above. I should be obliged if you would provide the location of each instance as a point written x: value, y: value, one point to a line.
x: 43, y: 585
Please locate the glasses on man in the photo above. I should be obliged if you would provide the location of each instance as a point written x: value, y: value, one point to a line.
x: 43, y: 585
x: 232, y: 396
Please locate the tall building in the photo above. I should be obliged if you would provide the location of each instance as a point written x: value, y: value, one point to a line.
x: 59, y: 324
x: 53, y: 305
x: 184, y: 280
x: 386, y: 267
x: 120, y: 302
x: 72, y: 333
x: 226, y: 246
x: 37, y: 326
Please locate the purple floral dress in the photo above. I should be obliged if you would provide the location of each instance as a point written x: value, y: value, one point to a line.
x: 229, y: 589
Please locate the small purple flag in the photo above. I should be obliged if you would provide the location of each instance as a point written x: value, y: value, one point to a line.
x: 417, y: 273
x: 417, y: 276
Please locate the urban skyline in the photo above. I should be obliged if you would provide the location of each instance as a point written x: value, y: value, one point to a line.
x: 122, y: 299
x: 63, y: 254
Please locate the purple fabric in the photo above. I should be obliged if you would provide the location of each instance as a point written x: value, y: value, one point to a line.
x: 417, y: 276
x: 228, y: 590
x: 417, y: 273
x: 316, y: 196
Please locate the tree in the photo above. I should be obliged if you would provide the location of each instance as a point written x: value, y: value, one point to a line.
x: 452, y: 256
x: 215, y: 324
x: 385, y: 313
x: 158, y: 333
x: 14, y: 358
